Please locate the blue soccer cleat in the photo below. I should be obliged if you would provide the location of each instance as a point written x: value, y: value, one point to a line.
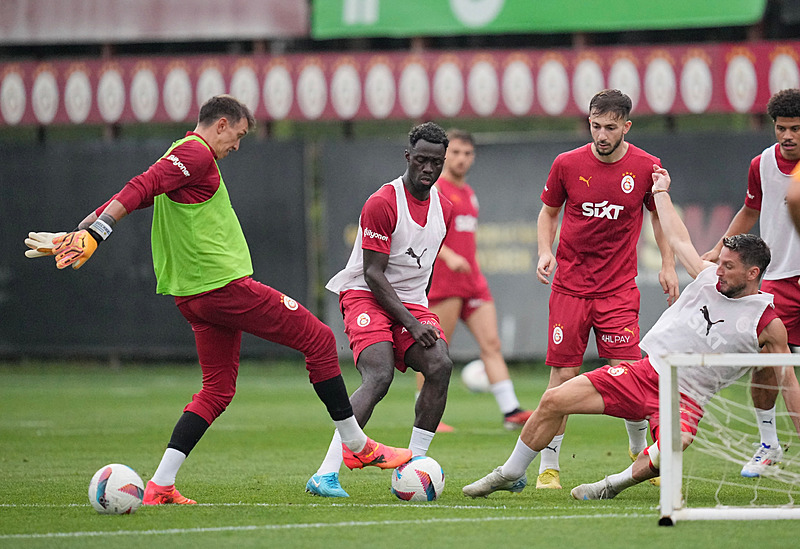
x: 326, y: 485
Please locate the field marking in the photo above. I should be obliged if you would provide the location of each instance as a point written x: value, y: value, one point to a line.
x: 349, y: 524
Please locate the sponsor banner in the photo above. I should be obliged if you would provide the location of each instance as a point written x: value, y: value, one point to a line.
x: 346, y: 18
x: 374, y: 86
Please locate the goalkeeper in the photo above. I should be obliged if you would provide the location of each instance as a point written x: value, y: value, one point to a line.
x: 201, y: 258
x: 721, y: 311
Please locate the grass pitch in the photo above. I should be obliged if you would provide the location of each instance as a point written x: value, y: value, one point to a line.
x: 59, y: 423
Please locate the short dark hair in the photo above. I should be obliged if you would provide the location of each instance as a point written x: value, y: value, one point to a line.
x: 225, y: 106
x: 611, y: 101
x: 753, y: 251
x: 430, y: 132
x: 785, y: 103
x: 461, y: 135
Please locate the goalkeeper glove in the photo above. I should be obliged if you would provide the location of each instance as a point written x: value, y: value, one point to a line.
x: 41, y: 244
x: 74, y: 248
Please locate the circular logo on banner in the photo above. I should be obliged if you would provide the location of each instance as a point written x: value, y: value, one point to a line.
x: 363, y: 320
x: 741, y: 83
x: 244, y: 86
x: 627, y: 184
x: 289, y: 303
x: 483, y: 89
x: 448, y: 89
x: 476, y: 13
x: 177, y: 94
x: 659, y: 85
x: 12, y: 98
x: 345, y: 91
x: 615, y: 371
x: 379, y: 90
x: 518, y: 88
x: 209, y: 84
x: 111, y: 95
x: 78, y: 96
x: 414, y: 90
x: 696, y: 85
x: 278, y: 92
x: 558, y: 335
x: 587, y: 80
x: 553, y: 87
x: 144, y: 95
x: 312, y: 92
x: 783, y: 74
x: 624, y: 76
x: 45, y: 97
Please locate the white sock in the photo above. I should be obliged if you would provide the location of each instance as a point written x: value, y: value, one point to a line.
x: 622, y: 480
x: 505, y: 396
x: 351, y: 434
x: 766, y: 427
x: 637, y: 435
x: 550, y: 454
x: 420, y: 441
x: 333, y: 459
x: 519, y: 460
x: 168, y: 468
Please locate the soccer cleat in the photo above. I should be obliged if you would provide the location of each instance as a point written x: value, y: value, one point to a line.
x: 656, y: 481
x: 516, y: 419
x: 375, y: 454
x: 493, y: 482
x: 444, y: 428
x: 326, y: 485
x: 161, y: 495
x: 764, y: 457
x: 597, y: 490
x: 548, y: 479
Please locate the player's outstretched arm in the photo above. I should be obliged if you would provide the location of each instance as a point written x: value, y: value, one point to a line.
x: 674, y: 230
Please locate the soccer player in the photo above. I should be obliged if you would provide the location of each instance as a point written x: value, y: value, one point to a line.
x: 459, y: 289
x: 734, y: 317
x: 767, y: 186
x: 601, y: 187
x: 201, y: 258
x: 383, y: 302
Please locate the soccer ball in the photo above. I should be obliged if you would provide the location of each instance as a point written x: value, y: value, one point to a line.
x: 420, y: 479
x: 474, y: 377
x: 116, y: 490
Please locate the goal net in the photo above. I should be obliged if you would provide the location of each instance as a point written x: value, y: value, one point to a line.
x: 705, y: 482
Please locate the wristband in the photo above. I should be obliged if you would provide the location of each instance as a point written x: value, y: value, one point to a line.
x: 102, y: 227
x: 656, y: 191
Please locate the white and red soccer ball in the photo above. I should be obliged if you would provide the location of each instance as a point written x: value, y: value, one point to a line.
x: 116, y: 490
x: 420, y: 479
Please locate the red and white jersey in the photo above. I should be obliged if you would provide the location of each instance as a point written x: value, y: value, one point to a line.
x: 767, y: 184
x: 412, y: 246
x: 596, y: 254
x: 703, y: 320
x: 461, y: 239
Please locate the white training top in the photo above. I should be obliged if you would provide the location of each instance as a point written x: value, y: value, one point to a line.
x: 703, y: 320
x: 413, y: 251
x: 775, y: 224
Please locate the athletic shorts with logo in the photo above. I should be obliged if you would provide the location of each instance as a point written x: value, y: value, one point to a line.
x: 630, y: 391
x: 471, y: 301
x: 367, y: 323
x: 786, y: 294
x: 614, y: 319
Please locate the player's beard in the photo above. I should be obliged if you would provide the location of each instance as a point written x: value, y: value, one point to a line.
x: 732, y: 292
x: 610, y: 151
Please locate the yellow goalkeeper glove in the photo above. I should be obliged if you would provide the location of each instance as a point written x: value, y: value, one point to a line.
x: 74, y: 249
x: 41, y: 244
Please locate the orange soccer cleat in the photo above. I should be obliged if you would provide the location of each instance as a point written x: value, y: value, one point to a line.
x: 516, y: 419
x: 375, y: 454
x: 161, y: 495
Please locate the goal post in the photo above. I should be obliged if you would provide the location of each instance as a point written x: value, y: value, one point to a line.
x: 673, y: 505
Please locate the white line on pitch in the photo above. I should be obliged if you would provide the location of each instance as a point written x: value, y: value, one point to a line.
x: 173, y: 531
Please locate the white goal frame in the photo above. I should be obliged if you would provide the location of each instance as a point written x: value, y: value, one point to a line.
x: 671, y: 501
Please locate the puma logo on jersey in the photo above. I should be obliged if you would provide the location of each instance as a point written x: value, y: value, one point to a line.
x: 710, y: 323
x: 581, y: 178
x: 411, y: 252
x: 601, y: 209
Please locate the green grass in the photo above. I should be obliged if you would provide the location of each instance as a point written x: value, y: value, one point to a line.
x: 60, y: 423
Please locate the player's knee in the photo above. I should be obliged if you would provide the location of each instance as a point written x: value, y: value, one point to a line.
x: 376, y: 381
x: 439, y: 370
x: 216, y: 402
